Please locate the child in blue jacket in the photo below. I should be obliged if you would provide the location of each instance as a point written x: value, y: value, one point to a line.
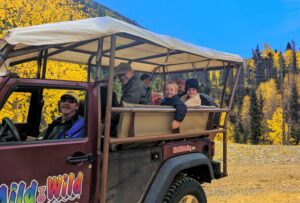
x: 172, y: 99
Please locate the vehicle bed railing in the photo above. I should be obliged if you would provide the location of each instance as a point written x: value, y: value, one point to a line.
x: 170, y: 136
x: 136, y: 109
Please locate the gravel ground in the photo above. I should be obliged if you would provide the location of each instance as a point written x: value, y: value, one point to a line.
x: 260, y: 173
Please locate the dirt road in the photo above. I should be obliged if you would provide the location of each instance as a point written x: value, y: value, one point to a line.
x: 258, y: 174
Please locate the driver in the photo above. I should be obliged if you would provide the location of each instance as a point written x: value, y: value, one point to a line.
x: 70, y: 124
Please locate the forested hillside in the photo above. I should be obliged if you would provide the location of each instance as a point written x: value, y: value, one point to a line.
x: 266, y: 106
x: 101, y: 10
x: 20, y: 13
x: 266, y: 110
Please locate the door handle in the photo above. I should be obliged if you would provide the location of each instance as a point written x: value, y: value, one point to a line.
x: 79, y: 158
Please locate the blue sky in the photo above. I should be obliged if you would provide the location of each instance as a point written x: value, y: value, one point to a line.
x: 234, y: 26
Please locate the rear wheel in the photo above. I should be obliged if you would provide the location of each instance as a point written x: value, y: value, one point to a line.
x: 185, y: 190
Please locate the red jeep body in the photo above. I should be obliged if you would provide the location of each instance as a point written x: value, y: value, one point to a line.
x: 135, y: 166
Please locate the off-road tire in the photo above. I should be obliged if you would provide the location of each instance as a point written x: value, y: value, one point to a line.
x: 183, y: 187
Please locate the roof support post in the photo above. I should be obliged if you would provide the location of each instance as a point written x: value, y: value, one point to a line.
x: 226, y: 121
x: 39, y: 64
x: 165, y: 64
x: 194, y: 70
x: 225, y: 173
x: 108, y: 120
x: 207, y: 65
x: 45, y: 59
x: 164, y: 71
x: 154, y: 70
x: 226, y: 74
x: 99, y: 59
x: 90, y: 68
x: 99, y: 121
x: 237, y: 77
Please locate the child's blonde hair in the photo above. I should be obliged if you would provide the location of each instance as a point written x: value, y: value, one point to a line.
x: 172, y: 83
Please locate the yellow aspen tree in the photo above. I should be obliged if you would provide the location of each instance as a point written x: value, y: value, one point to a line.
x: 218, y: 77
x: 16, y: 107
x: 276, y: 61
x: 274, y: 124
x: 288, y: 56
x: 298, y: 59
x: 245, y: 117
x: 21, y: 13
x: 250, y: 63
x: 230, y: 133
x: 270, y: 96
x: 230, y: 130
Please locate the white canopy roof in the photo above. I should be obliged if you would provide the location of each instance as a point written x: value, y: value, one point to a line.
x: 146, y: 50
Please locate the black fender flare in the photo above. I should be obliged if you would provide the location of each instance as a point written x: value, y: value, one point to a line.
x: 170, y: 169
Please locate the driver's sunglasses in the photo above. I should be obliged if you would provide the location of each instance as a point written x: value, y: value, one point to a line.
x: 67, y: 99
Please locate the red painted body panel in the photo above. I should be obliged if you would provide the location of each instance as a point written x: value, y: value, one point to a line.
x: 38, y: 160
x: 172, y: 149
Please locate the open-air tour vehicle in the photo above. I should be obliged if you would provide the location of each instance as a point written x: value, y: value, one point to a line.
x: 143, y: 163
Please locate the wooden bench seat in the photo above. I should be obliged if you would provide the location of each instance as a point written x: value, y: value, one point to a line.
x: 156, y: 120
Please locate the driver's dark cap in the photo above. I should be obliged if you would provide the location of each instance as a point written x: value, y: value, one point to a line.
x: 122, y: 68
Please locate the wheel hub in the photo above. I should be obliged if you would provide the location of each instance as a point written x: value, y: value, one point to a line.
x: 188, y: 199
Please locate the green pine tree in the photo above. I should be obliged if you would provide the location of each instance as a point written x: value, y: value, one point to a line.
x: 288, y: 46
x: 255, y: 119
x: 259, y: 72
x: 282, y: 74
x: 293, y: 115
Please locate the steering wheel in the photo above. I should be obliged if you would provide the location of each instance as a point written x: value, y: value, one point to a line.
x: 9, y: 132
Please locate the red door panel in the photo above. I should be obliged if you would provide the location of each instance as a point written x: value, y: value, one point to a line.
x: 40, y: 173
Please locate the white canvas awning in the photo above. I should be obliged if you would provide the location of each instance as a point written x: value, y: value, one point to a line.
x: 144, y: 49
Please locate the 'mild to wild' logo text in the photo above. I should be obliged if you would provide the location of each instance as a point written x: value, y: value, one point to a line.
x: 61, y: 188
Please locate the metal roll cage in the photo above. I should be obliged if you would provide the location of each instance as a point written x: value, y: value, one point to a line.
x: 8, y: 52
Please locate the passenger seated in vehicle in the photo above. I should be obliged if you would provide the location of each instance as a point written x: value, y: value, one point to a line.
x: 172, y: 99
x: 192, y: 98
x: 181, y: 87
x: 133, y: 90
x: 146, y: 79
x: 70, y: 124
